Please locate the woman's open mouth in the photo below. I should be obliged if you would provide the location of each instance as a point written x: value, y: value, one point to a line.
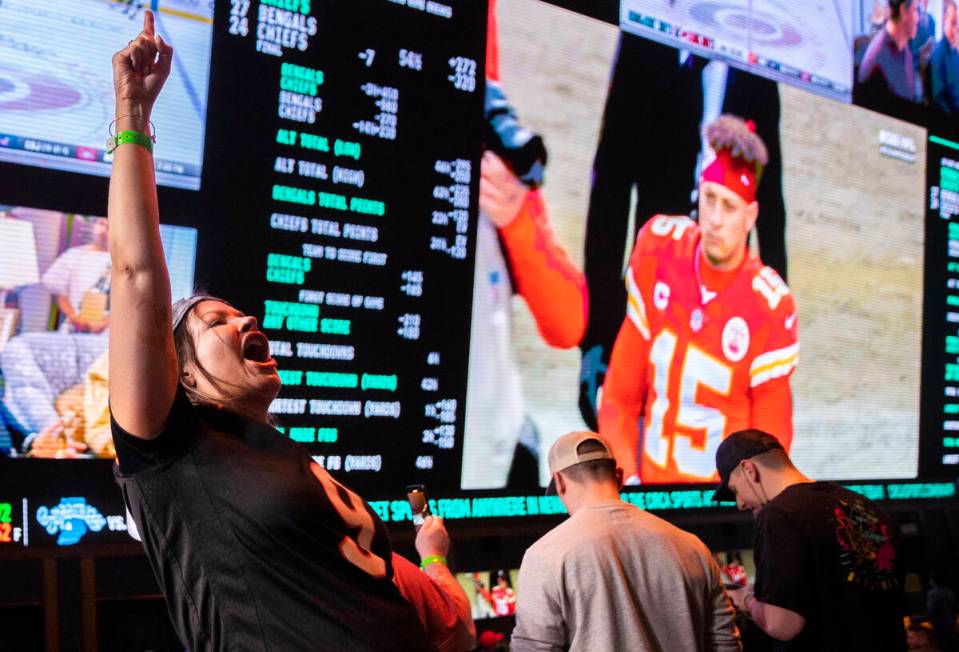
x: 256, y: 348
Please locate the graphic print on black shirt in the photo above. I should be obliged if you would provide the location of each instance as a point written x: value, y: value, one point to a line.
x: 357, y: 544
x: 867, y: 552
x: 828, y: 554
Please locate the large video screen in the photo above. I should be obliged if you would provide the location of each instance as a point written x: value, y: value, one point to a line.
x: 490, y: 592
x: 904, y: 59
x: 941, y: 345
x: 840, y: 221
x: 807, y: 43
x: 54, y: 327
x: 56, y: 92
x: 468, y: 229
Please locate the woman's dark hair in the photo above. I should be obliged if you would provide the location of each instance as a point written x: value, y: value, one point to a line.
x: 183, y: 342
x: 186, y: 354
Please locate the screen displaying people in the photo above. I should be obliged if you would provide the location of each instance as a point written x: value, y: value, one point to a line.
x: 53, y: 349
x: 491, y: 593
x: 710, y: 338
x: 905, y: 56
x: 840, y: 188
x: 944, y: 62
x: 648, y: 240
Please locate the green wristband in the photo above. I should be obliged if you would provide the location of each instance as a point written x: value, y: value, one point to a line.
x: 128, y: 136
x: 432, y: 559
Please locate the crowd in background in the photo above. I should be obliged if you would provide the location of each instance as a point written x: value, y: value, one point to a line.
x: 910, y: 55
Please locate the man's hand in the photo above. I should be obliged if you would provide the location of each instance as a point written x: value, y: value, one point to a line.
x: 139, y: 71
x: 432, y: 539
x: 780, y: 623
x: 99, y: 325
x: 80, y: 325
x: 501, y: 193
x: 53, y: 442
x: 738, y: 596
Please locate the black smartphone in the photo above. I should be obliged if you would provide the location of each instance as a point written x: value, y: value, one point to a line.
x: 419, y: 505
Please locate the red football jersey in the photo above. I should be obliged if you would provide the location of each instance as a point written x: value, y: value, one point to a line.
x: 709, y: 352
x: 504, y: 600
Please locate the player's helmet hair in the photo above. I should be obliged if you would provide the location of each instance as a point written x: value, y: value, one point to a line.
x: 896, y: 7
x: 732, y: 133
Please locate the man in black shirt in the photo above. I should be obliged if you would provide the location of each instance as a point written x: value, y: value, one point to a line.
x: 825, y: 557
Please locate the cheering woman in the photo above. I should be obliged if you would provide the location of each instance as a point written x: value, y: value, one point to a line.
x: 254, y: 545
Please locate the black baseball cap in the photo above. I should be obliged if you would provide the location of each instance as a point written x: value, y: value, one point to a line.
x: 737, y: 447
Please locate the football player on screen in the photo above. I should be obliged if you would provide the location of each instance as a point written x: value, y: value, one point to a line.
x: 516, y: 253
x: 710, y: 336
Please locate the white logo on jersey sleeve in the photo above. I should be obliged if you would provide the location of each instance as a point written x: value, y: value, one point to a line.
x: 790, y: 321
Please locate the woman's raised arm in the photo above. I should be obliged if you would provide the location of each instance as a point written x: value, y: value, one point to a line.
x: 143, y: 365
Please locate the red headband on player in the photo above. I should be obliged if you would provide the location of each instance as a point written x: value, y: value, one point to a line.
x: 736, y: 174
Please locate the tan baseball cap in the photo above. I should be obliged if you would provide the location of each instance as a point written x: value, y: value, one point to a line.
x: 564, y: 453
